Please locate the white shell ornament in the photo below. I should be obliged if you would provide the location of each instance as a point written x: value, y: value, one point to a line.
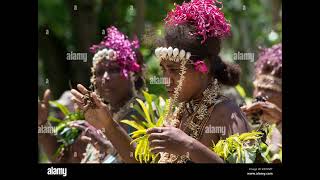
x: 99, y: 53
x: 105, y: 52
x: 170, y: 50
x: 160, y: 51
x: 182, y: 53
x: 164, y: 52
x: 188, y: 55
x: 157, y: 52
x: 112, y: 54
x: 175, y: 52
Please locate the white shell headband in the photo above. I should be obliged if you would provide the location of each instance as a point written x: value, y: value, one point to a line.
x: 171, y: 54
x: 180, y: 56
x: 109, y: 54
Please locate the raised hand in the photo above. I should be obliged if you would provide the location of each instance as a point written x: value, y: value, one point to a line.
x: 95, y: 111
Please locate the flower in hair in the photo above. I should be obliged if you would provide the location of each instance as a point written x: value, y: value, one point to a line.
x: 208, y: 19
x: 119, y: 48
x: 200, y: 66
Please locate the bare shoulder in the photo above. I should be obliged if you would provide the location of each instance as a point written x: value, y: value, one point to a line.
x: 225, y: 119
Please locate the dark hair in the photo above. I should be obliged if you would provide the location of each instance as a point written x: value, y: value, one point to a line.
x: 139, y: 82
x: 182, y: 37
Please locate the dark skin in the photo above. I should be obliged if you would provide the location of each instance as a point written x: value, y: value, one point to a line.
x: 272, y: 108
x: 108, y: 81
x: 108, y: 77
x: 226, y: 114
x: 171, y: 139
x: 272, y: 112
x: 110, y: 86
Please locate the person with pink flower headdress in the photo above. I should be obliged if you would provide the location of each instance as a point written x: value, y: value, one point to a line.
x: 268, y: 86
x: 117, y: 78
x: 198, y: 114
x: 266, y: 109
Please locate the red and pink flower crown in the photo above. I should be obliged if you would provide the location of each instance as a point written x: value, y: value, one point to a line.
x: 117, y: 47
x: 204, y: 15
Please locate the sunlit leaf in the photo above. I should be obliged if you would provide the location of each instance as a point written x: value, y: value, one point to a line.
x: 62, y: 108
x: 54, y: 119
x: 146, y: 112
x: 241, y: 91
x: 133, y: 124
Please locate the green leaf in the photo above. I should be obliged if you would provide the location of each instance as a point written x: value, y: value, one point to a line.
x: 59, y: 150
x: 138, y: 147
x: 138, y: 109
x: 225, y: 150
x: 239, y: 153
x: 133, y: 124
x: 54, y: 119
x: 134, y: 117
x: 232, y: 158
x: 162, y: 104
x: 145, y: 110
x: 249, y: 135
x: 60, y: 126
x: 160, y: 122
x: 146, y: 124
x: 62, y: 108
x: 145, y: 150
x: 241, y: 91
x: 136, y: 140
x: 142, y: 149
x: 250, y: 155
x: 66, y: 129
x: 149, y: 101
x: 138, y: 133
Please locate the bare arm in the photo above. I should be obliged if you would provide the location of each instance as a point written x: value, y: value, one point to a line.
x: 114, y: 132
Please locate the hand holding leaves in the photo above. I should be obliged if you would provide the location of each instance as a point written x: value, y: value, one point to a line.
x: 152, y: 111
x: 169, y: 139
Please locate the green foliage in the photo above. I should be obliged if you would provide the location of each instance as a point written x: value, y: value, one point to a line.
x: 252, y: 26
x: 152, y: 111
x: 65, y: 134
x: 243, y: 94
x: 241, y: 91
x: 250, y: 147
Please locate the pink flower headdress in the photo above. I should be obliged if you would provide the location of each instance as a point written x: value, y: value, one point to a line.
x: 117, y: 47
x: 204, y: 15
